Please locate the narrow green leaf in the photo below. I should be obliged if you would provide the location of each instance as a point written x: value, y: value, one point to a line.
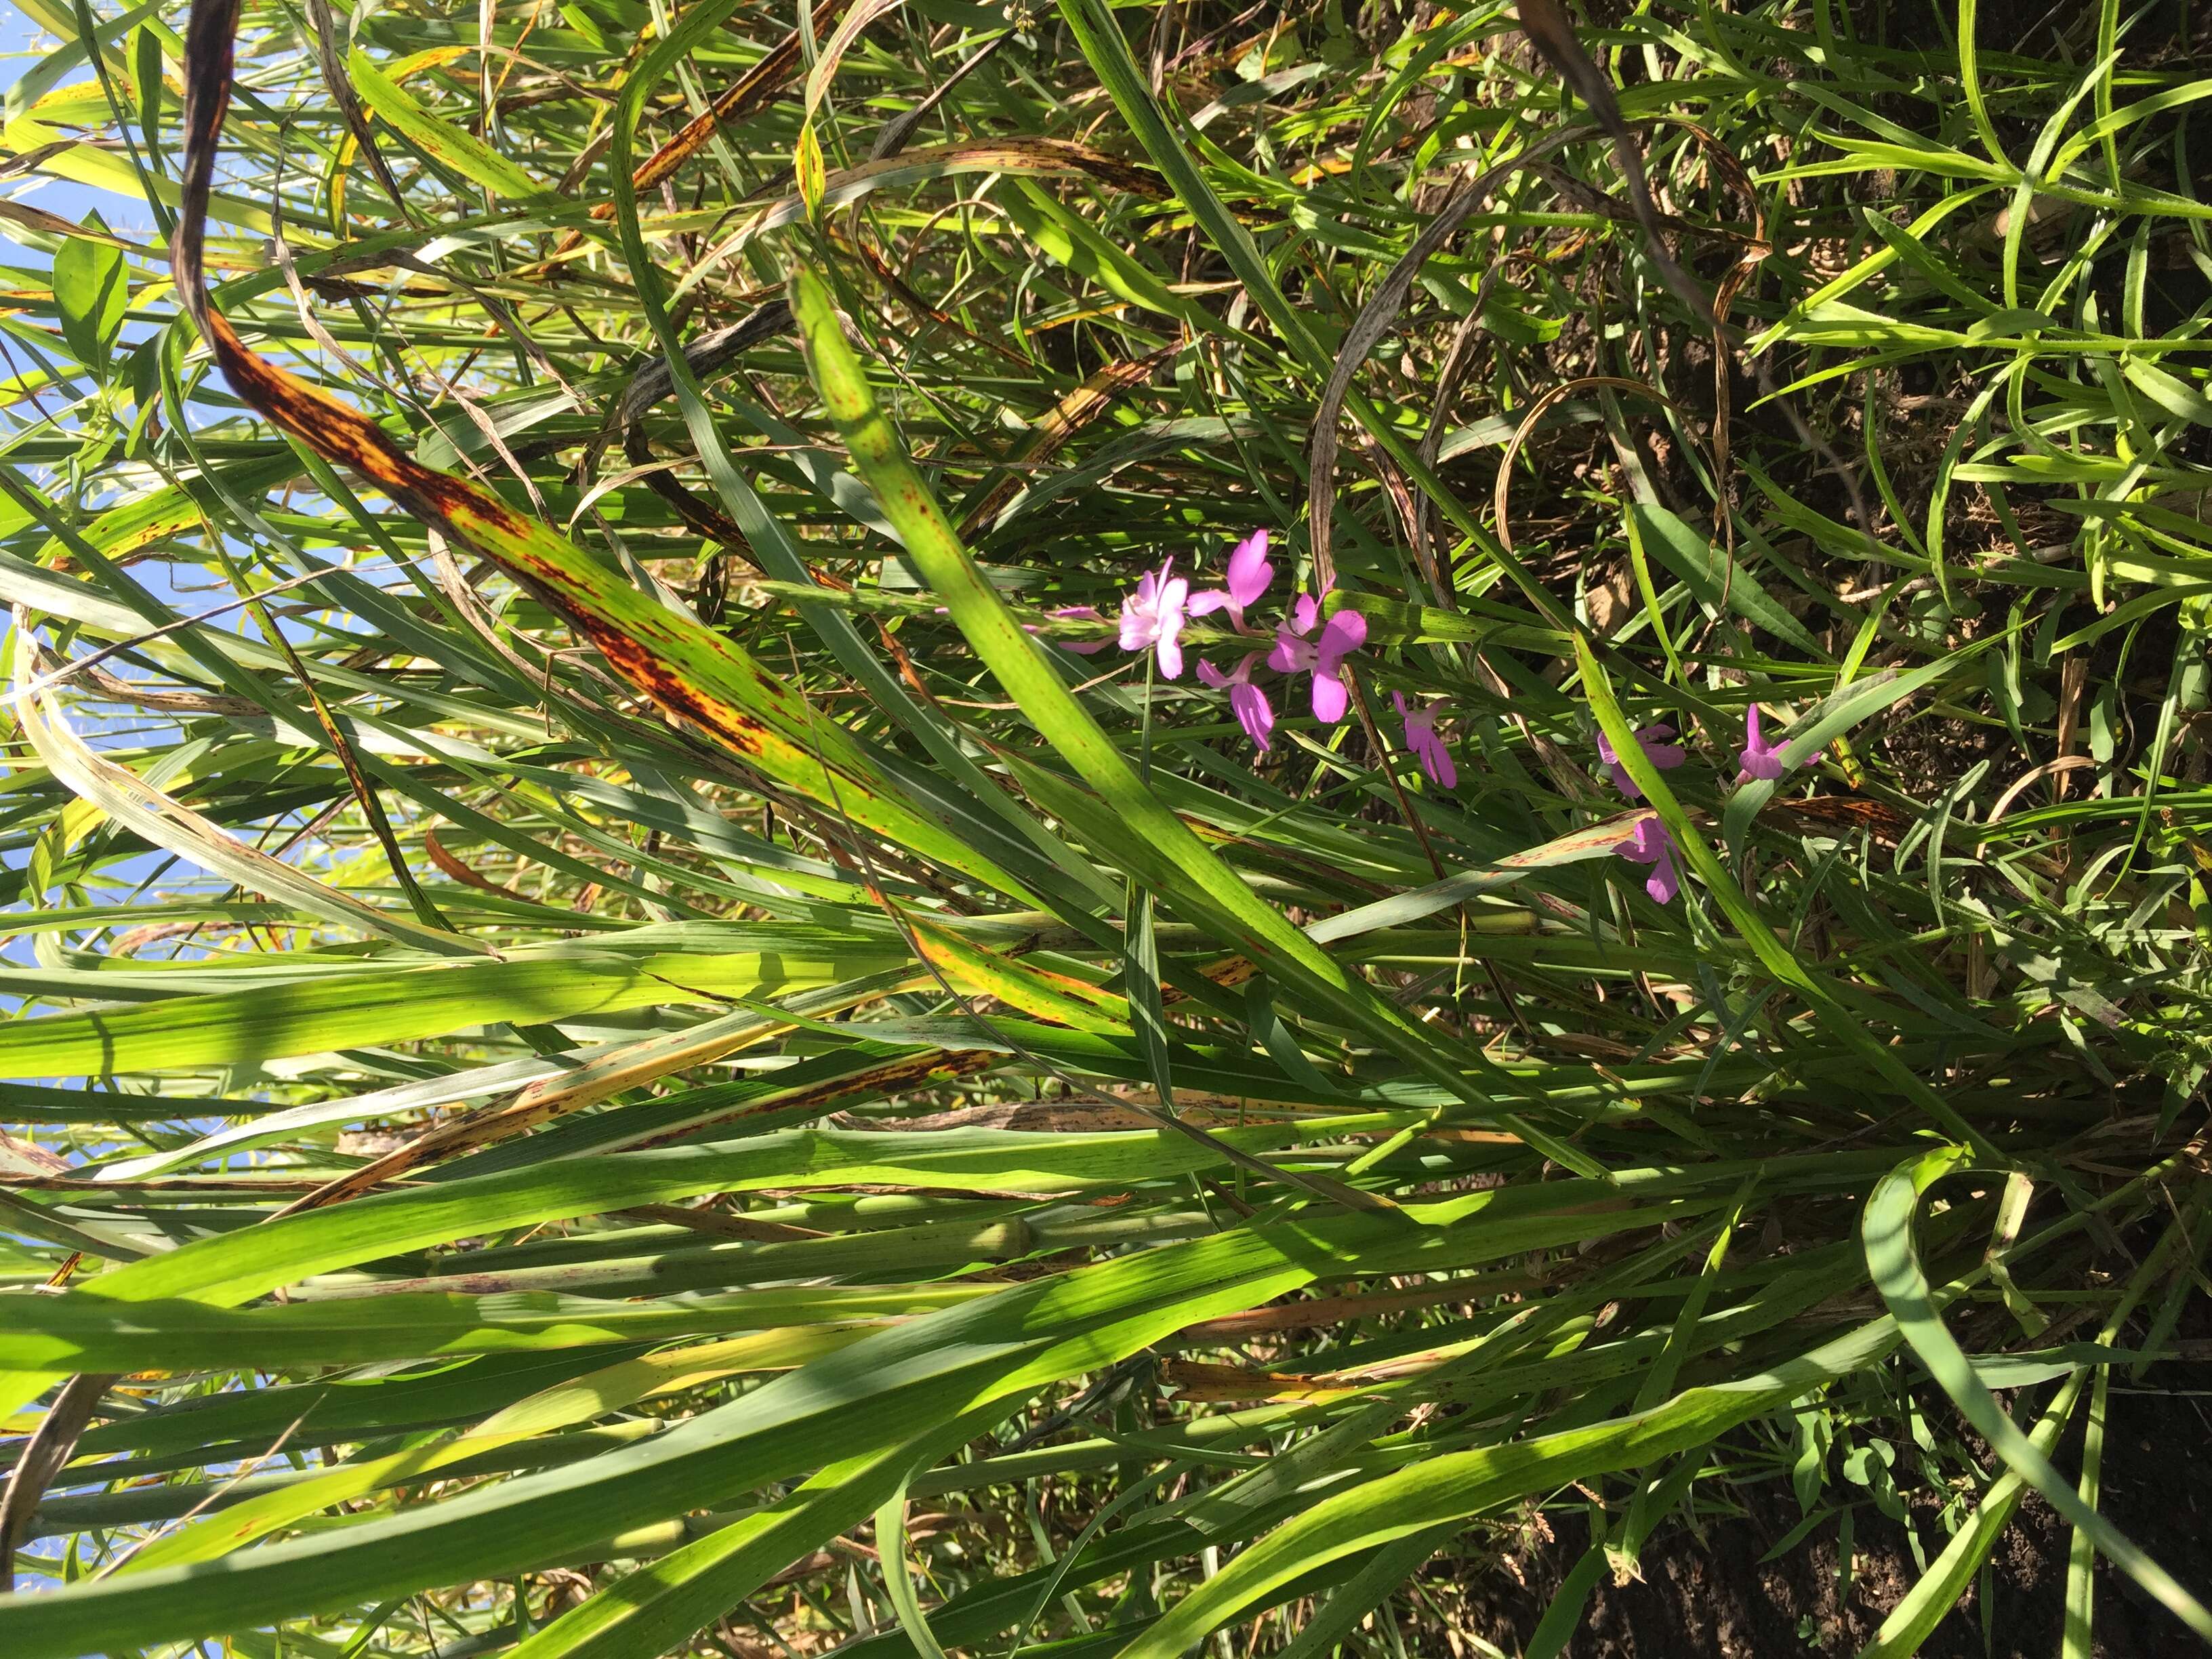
x: 1773, y: 955
x: 319, y: 1016
x: 1719, y: 585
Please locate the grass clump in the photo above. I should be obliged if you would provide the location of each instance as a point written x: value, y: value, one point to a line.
x: 1064, y: 831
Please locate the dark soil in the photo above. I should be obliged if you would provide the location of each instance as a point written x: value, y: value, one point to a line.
x: 1704, y: 1593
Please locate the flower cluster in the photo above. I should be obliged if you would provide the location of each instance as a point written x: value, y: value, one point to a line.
x: 1153, y: 616
x: 1651, y: 843
x: 1153, y: 619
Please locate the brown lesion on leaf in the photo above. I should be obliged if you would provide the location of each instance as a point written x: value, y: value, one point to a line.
x: 637, y: 663
x: 484, y: 523
x: 1231, y: 972
x: 345, y: 437
x: 747, y: 733
x: 473, y: 516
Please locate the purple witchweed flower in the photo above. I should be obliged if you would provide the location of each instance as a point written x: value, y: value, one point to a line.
x: 1761, y: 759
x: 1152, y: 617
x: 1249, y: 577
x: 1421, y: 738
x: 1295, y: 653
x: 1666, y: 756
x: 1652, y: 843
x: 1246, y: 700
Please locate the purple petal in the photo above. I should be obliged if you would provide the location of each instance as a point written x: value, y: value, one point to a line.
x: 1651, y: 843
x: 1664, y: 757
x: 1345, y: 633
x: 1647, y: 842
x: 1765, y: 764
x: 1249, y: 704
x: 1291, y: 653
x: 1303, y: 615
x: 1436, y: 761
x: 1398, y: 700
x: 1330, y: 698
x: 1250, y: 574
x: 1757, y: 759
x: 1171, y: 654
x: 1207, y: 601
x: 1211, y: 677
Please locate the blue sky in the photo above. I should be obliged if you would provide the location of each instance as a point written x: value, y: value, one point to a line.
x: 23, y: 46
x: 22, y: 43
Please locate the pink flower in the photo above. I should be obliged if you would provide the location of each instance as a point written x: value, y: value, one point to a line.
x: 1421, y: 738
x: 1152, y: 617
x: 1761, y: 759
x: 1666, y: 756
x: 1652, y: 843
x: 1295, y: 653
x: 1246, y: 700
x: 1250, y: 575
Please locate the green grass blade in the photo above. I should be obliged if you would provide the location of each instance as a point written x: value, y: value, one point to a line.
x: 1893, y: 1261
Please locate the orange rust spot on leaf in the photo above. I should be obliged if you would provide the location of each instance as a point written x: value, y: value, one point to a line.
x: 743, y: 732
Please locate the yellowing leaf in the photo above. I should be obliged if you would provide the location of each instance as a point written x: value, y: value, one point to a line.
x: 440, y: 139
x: 806, y: 167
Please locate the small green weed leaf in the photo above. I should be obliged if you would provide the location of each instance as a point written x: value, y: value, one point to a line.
x: 91, y: 291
